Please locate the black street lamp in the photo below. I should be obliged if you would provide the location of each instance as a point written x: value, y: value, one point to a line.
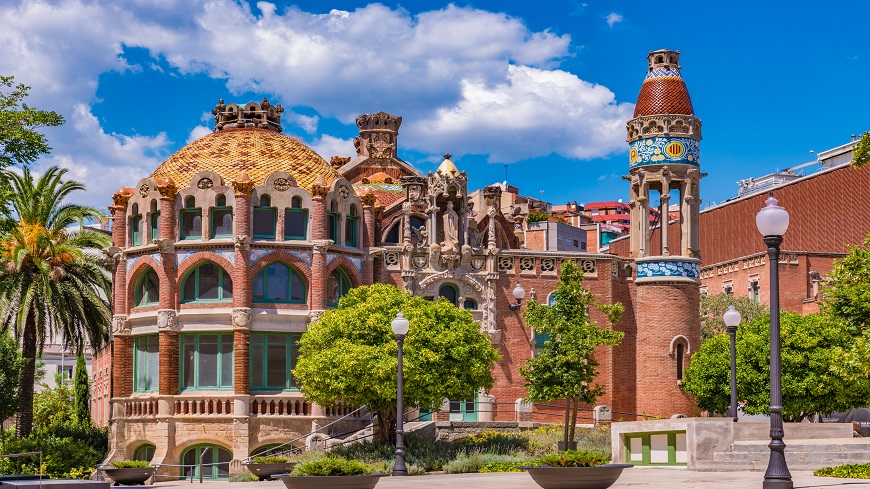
x: 732, y: 320
x: 519, y: 292
x: 772, y: 222
x: 400, y: 328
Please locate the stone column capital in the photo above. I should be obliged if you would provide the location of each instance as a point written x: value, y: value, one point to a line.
x: 322, y: 246
x: 167, y: 188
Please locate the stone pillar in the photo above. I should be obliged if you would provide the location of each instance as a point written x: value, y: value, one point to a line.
x: 321, y: 244
x: 122, y: 357
x: 242, y: 215
x: 368, y: 203
x: 119, y: 242
x: 241, y: 319
x: 167, y: 327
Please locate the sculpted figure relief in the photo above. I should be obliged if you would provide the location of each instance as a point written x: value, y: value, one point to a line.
x: 451, y: 230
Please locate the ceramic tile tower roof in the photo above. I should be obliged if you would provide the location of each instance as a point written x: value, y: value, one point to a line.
x: 663, y: 90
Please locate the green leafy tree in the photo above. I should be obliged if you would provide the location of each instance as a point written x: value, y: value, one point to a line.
x: 810, y: 380
x: 54, y: 406
x: 847, y: 293
x: 713, y: 306
x: 861, y: 151
x: 350, y: 354
x: 10, y: 375
x: 566, y: 367
x: 82, y: 385
x: 53, y: 281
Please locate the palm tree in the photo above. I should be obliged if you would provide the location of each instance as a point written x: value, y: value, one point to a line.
x: 53, y: 280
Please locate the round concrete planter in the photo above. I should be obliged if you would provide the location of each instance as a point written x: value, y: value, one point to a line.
x: 600, y: 477
x: 340, y: 481
x: 129, y: 476
x: 265, y: 471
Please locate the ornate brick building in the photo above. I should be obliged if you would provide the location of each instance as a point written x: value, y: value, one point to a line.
x: 240, y: 239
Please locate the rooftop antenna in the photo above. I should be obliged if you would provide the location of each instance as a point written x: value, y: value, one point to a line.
x: 505, y: 174
x: 542, y: 195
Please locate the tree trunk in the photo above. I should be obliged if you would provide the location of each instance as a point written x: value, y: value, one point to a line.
x: 384, y: 425
x: 567, y: 419
x: 24, y: 421
x: 574, y: 420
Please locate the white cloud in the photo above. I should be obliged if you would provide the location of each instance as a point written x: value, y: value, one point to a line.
x: 613, y: 18
x: 328, y: 146
x: 464, y: 79
x: 533, y: 113
x: 198, y: 132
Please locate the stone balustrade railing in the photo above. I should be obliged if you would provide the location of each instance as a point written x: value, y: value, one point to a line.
x: 229, y: 404
x: 281, y: 405
x: 204, y: 406
x: 137, y: 408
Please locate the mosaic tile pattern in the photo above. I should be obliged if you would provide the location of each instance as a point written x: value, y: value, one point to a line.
x: 387, y: 193
x: 256, y: 254
x: 259, y: 152
x: 664, y: 151
x: 649, y: 269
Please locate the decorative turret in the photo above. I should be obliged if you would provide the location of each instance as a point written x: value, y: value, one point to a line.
x: 664, y: 156
x: 232, y: 116
x: 378, y: 135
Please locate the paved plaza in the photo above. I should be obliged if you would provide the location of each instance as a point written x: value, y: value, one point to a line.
x: 635, y: 477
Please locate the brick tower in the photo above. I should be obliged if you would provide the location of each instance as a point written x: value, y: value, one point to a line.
x: 664, y: 165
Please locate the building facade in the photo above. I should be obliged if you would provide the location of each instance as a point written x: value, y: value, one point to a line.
x: 233, y: 245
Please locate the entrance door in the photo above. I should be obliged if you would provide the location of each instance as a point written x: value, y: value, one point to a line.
x: 215, y: 462
x: 463, y: 410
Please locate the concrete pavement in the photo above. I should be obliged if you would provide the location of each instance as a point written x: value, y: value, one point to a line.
x: 631, y: 478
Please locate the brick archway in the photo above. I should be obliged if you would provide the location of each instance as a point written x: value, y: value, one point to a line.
x: 347, y: 267
x: 141, y: 265
x: 197, y: 259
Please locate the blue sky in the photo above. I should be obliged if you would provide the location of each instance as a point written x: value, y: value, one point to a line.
x: 545, y: 87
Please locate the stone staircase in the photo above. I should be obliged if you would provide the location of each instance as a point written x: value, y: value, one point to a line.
x: 799, y: 454
x: 366, y: 433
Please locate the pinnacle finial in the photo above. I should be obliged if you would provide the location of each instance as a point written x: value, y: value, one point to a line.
x: 447, y: 156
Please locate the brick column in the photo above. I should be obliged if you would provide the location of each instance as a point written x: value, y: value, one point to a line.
x: 119, y: 242
x: 167, y: 321
x: 242, y: 294
x: 317, y: 287
x: 368, y: 199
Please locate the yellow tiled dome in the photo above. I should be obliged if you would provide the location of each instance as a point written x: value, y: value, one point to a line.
x: 259, y: 152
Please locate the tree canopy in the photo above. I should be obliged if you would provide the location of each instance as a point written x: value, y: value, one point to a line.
x: 20, y: 141
x: 350, y: 354
x: 82, y: 387
x: 54, y: 282
x: 861, y: 151
x: 566, y: 366
x: 846, y: 295
x: 812, y: 364
x: 713, y: 306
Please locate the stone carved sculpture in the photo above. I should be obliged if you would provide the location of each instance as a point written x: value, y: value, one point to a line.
x: 242, y: 242
x: 120, y: 325
x: 242, y: 317
x: 167, y: 320
x: 164, y: 245
x: 451, y: 230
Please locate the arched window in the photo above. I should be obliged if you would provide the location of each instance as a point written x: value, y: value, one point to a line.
x: 144, y: 452
x: 154, y: 221
x: 221, y: 218
x: 216, y: 456
x: 207, y: 283
x: 135, y: 226
x: 449, y: 292
x: 147, y: 289
x: 470, y: 305
x: 393, y: 234
x: 295, y: 220
x: 350, y: 227
x: 337, y: 285
x: 680, y: 351
x: 265, y: 219
x: 332, y: 218
x: 278, y: 282
x: 190, y: 221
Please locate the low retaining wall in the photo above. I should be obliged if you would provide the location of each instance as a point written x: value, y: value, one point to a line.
x: 686, y: 441
x: 452, y: 430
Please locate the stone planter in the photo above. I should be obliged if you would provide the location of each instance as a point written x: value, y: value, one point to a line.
x: 129, y: 476
x: 266, y: 471
x: 600, y: 477
x: 323, y: 482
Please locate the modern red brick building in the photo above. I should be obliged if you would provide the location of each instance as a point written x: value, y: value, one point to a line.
x: 227, y: 251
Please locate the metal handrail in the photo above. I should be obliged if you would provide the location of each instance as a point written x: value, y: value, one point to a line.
x: 293, y: 449
x: 26, y: 454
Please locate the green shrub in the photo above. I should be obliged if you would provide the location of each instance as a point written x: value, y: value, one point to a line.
x: 271, y: 459
x: 505, y: 466
x: 477, y: 461
x: 130, y: 464
x: 536, y: 217
x: 331, y: 466
x: 848, y: 471
x: 491, y: 441
x: 574, y: 458
x: 244, y: 477
x: 63, y: 458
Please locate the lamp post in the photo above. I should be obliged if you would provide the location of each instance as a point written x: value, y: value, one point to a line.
x: 519, y: 293
x: 772, y: 222
x: 732, y: 320
x: 400, y: 329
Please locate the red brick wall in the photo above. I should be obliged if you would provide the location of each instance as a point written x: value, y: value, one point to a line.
x: 169, y: 358
x: 242, y: 274
x: 241, y: 363
x: 664, y: 311
x: 122, y: 371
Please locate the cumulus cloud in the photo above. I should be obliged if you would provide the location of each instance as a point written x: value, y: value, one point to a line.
x: 464, y: 79
x: 198, y: 132
x: 613, y: 18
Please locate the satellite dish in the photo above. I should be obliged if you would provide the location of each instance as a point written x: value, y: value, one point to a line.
x: 619, y: 200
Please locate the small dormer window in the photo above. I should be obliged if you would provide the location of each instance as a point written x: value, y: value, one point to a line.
x: 295, y: 220
x: 350, y: 227
x: 190, y: 220
x: 221, y: 218
x: 265, y: 219
x: 332, y: 219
